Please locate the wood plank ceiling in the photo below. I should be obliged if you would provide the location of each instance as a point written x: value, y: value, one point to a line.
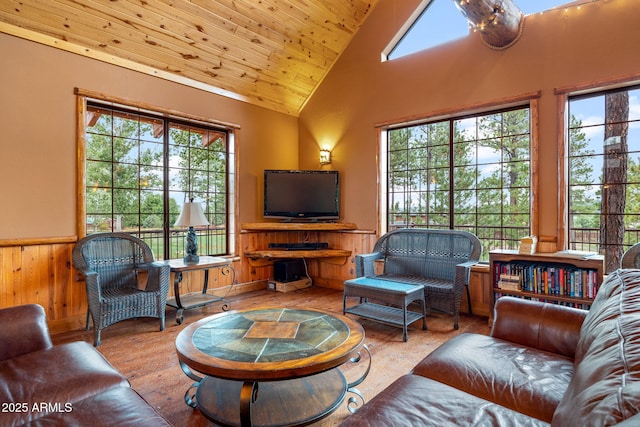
x: 270, y: 53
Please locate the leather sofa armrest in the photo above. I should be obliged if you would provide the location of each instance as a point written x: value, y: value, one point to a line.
x: 24, y: 330
x: 548, y: 327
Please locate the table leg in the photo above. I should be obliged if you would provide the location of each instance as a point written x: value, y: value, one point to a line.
x: 190, y: 394
x: 205, y: 284
x: 424, y: 314
x: 405, y: 335
x: 248, y: 395
x: 177, y: 278
x: 352, y: 403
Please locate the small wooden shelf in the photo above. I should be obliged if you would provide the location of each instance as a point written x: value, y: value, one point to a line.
x: 534, y: 295
x: 263, y: 258
x: 551, y: 260
x: 266, y: 257
x: 298, y: 226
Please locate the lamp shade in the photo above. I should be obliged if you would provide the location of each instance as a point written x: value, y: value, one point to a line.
x: 191, y: 216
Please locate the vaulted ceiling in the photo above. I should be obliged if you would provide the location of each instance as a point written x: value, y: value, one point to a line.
x: 271, y: 53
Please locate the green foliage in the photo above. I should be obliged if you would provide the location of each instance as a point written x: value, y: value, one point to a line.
x: 125, y: 170
x: 585, y: 194
x: 490, y: 177
x: 421, y: 173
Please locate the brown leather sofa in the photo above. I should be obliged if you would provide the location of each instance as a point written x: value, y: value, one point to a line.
x: 70, y: 384
x: 542, y: 365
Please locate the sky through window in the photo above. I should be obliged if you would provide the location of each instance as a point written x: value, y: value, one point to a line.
x: 442, y: 22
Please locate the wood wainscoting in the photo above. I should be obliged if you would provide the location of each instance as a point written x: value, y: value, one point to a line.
x: 41, y: 272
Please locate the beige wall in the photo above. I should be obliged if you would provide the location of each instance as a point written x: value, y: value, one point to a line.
x: 596, y: 42
x: 557, y: 49
x: 38, y: 133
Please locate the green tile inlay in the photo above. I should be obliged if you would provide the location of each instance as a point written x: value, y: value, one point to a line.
x: 225, y: 337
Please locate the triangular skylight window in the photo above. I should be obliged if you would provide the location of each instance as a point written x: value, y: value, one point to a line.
x: 439, y: 21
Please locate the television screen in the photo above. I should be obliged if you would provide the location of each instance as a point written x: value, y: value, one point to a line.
x: 301, y: 194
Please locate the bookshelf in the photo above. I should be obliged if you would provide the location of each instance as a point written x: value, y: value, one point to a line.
x: 567, y: 278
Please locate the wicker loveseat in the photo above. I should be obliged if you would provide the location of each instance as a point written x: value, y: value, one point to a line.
x: 440, y: 260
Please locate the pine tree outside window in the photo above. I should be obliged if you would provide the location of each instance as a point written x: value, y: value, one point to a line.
x: 468, y: 173
x: 140, y: 168
x: 603, y: 162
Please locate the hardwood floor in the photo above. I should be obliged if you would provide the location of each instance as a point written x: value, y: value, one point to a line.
x: 148, y: 358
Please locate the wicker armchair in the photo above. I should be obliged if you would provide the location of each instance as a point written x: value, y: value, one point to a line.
x: 631, y: 257
x: 110, y: 263
x: 441, y: 260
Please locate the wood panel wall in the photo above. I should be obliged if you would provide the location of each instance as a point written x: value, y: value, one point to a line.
x: 43, y: 273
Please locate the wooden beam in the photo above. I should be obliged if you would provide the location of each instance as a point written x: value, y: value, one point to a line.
x: 499, y: 22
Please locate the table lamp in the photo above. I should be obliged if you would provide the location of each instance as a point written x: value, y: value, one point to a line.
x: 191, y: 215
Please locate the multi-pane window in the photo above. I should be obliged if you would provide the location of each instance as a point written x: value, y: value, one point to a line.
x: 466, y: 173
x: 604, y: 172
x: 142, y: 168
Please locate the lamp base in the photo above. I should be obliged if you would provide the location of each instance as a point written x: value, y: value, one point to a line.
x: 191, y: 259
x: 192, y: 247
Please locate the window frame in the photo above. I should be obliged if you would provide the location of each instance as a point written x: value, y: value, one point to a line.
x: 530, y: 100
x: 83, y: 97
x: 562, y: 98
x: 566, y: 98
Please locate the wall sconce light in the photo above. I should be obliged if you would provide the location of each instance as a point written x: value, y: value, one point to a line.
x: 325, y: 156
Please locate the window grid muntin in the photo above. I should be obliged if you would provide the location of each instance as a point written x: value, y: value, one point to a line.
x: 581, y: 236
x: 165, y: 241
x: 492, y: 227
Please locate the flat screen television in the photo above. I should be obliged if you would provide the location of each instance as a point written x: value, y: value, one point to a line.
x: 305, y: 194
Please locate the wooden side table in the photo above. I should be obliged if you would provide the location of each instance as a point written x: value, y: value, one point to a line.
x: 196, y: 299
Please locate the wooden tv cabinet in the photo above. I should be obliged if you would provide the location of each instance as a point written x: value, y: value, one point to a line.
x: 264, y: 257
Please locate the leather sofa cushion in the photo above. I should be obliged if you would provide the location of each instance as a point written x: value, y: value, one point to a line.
x: 547, y: 327
x: 518, y: 377
x: 606, y: 386
x: 25, y: 327
x: 413, y: 400
x: 61, y: 374
x: 119, y: 406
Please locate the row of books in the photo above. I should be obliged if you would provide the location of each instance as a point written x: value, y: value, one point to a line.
x: 564, y: 280
x: 563, y: 303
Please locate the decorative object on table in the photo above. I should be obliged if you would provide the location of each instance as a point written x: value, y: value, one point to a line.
x: 528, y: 245
x: 510, y: 282
x: 191, y: 216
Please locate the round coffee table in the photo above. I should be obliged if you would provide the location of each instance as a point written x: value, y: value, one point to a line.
x: 270, y: 366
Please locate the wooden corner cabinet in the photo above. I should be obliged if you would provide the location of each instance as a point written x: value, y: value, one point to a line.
x: 560, y: 278
x: 263, y: 257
